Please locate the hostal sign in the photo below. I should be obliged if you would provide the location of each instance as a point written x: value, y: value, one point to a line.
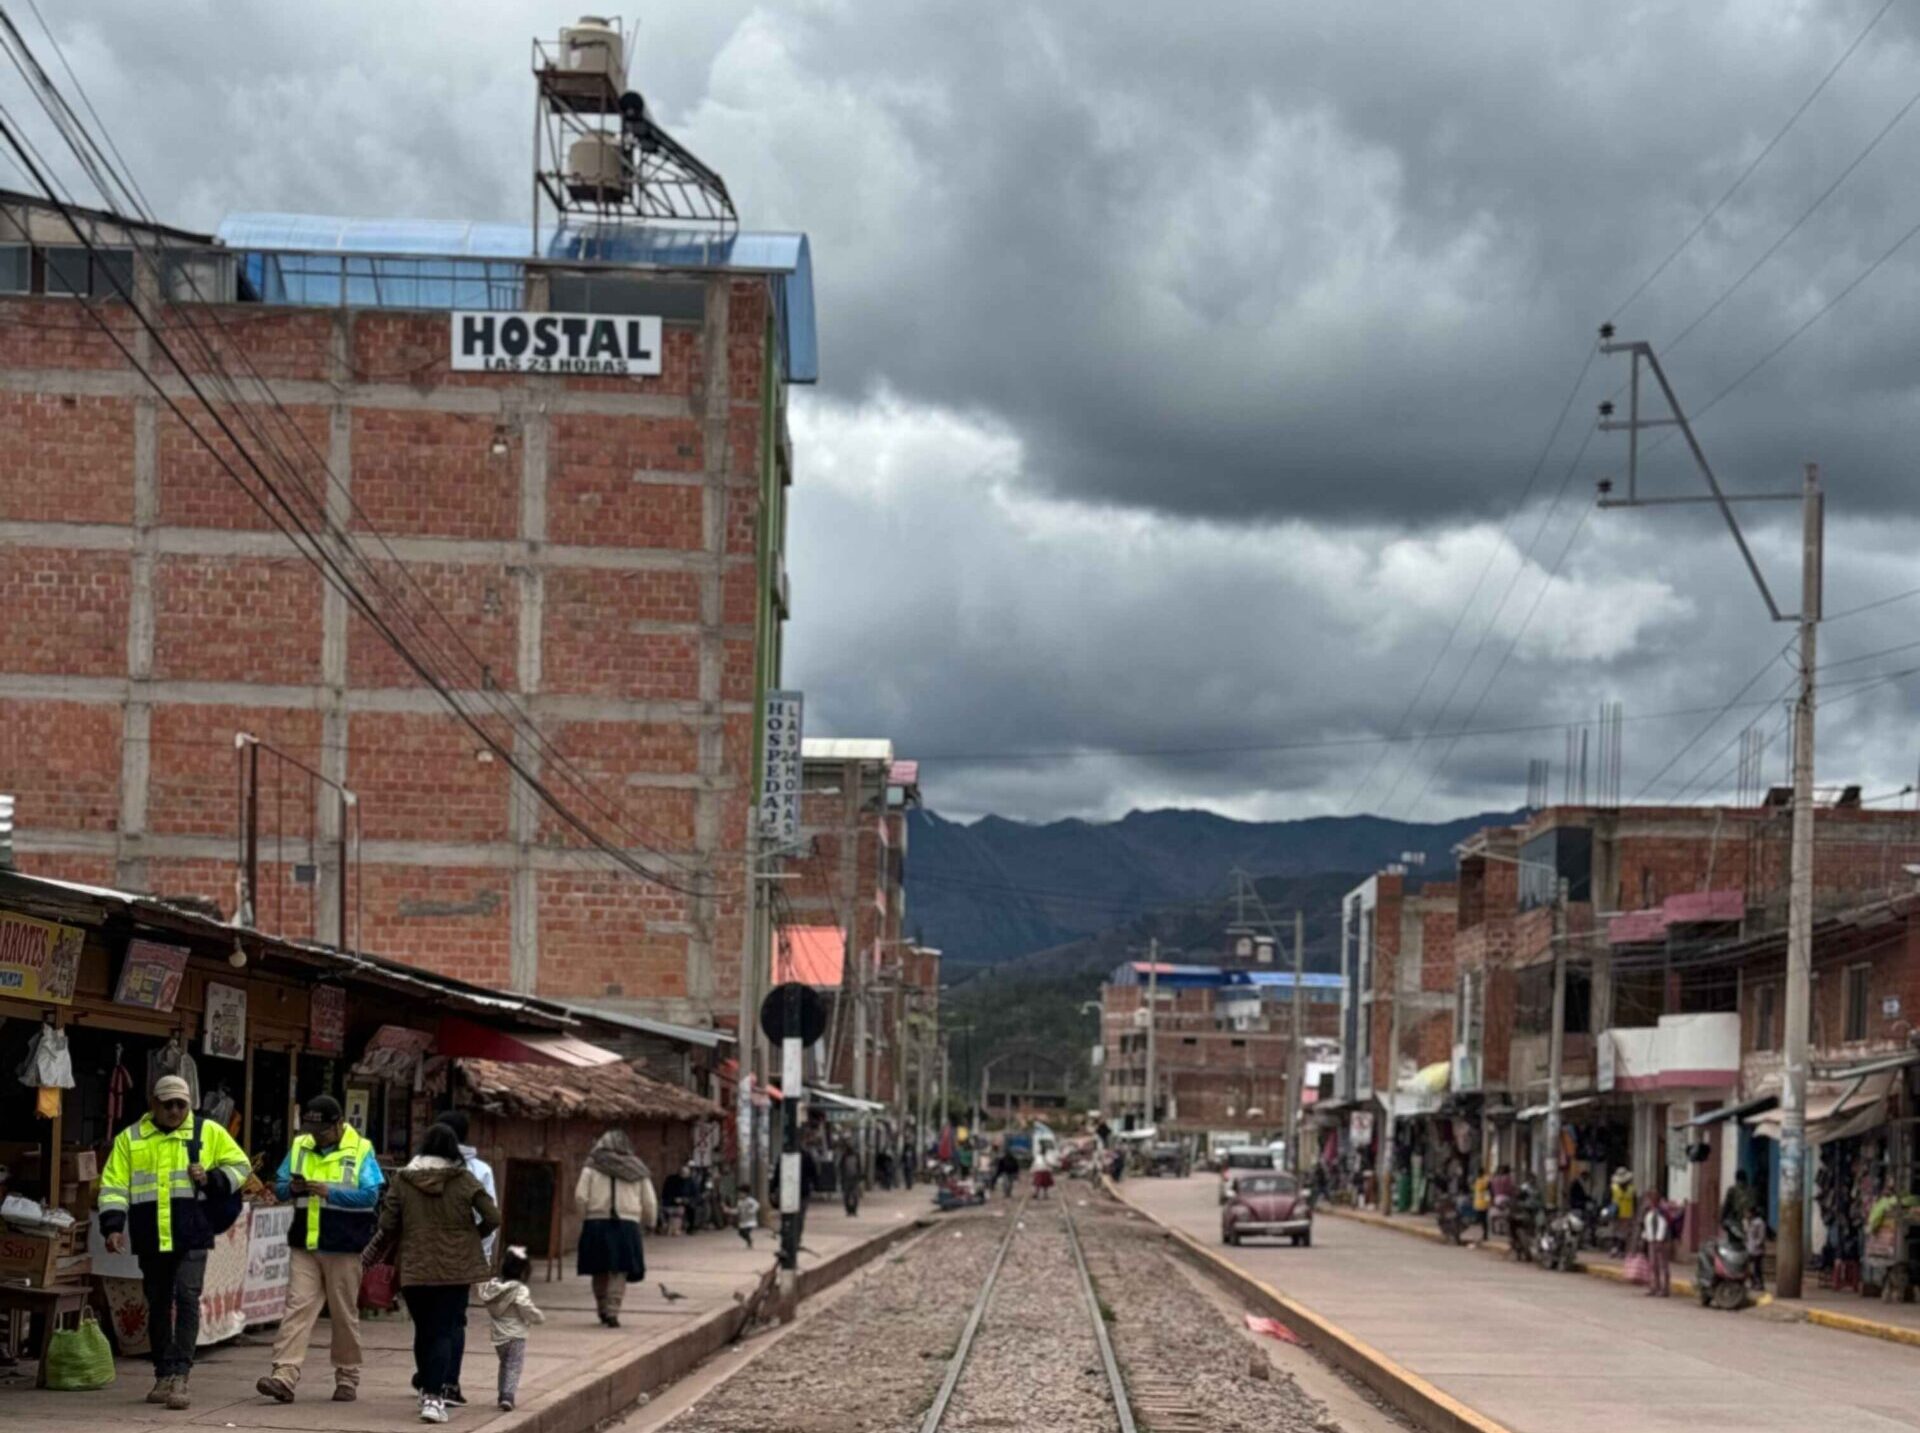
x: 611, y: 345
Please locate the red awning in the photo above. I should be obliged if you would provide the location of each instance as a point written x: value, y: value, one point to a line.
x: 811, y: 954
x: 463, y: 1039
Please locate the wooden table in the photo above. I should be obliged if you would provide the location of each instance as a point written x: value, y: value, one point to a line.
x: 53, y: 1303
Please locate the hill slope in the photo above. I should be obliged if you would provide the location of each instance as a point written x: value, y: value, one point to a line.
x: 996, y: 890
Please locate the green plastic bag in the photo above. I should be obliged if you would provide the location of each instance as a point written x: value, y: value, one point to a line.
x: 79, y: 1360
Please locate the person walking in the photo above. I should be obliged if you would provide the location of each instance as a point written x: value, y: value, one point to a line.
x: 616, y: 1199
x: 510, y: 1308
x: 1756, y: 1240
x: 1483, y: 1203
x: 458, y: 1122
x: 849, y: 1173
x: 1656, y: 1233
x: 437, y: 1214
x: 333, y: 1177
x: 1042, y: 1177
x: 170, y: 1181
x: 1006, y: 1171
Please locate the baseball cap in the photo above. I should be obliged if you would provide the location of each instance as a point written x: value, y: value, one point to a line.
x: 321, y: 1110
x: 172, y: 1087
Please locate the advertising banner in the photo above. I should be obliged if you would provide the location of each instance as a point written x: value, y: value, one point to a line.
x: 150, y: 976
x: 609, y: 345
x: 780, y: 782
x: 263, y: 1293
x: 226, y: 1034
x: 327, y: 1019
x: 39, y: 960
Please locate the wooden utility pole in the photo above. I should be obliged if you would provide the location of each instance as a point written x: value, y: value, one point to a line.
x: 1153, y: 1024
x: 1296, y: 1054
x: 1556, y: 1042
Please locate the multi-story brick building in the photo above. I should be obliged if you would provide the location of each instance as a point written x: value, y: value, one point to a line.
x: 591, y: 562
x: 1223, y: 1043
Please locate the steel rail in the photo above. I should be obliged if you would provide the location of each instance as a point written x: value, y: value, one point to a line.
x: 1122, y: 1406
x: 955, y: 1365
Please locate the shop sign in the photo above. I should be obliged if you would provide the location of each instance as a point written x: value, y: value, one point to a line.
x: 780, y: 767
x: 1890, y: 1006
x: 226, y: 1023
x: 221, y: 1316
x: 609, y: 345
x: 39, y: 960
x: 327, y: 1019
x: 1360, y: 1127
x: 151, y: 975
x: 263, y: 1294
x: 359, y: 1107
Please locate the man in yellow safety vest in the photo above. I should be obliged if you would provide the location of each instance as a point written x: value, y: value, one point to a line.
x: 334, y: 1180
x: 163, y: 1178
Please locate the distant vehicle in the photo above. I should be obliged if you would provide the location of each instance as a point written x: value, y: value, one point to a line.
x: 1267, y: 1204
x: 1219, y: 1141
x: 1167, y: 1158
x: 1254, y: 1158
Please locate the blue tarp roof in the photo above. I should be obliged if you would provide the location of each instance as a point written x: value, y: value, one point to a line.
x: 478, y: 252
x: 1283, y: 979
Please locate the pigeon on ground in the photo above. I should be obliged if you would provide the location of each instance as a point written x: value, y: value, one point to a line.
x: 669, y: 1295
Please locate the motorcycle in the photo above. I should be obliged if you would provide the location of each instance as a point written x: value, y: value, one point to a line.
x: 1524, y: 1227
x: 1558, y: 1246
x: 1722, y: 1270
x: 1454, y: 1213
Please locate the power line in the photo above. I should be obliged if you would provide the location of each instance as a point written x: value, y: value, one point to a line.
x: 1759, y: 159
x: 1710, y: 723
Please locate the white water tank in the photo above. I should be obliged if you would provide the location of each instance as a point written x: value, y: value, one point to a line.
x: 594, y: 47
x: 599, y: 170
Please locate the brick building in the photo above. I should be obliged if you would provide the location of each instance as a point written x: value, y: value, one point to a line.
x: 1223, y: 1043
x: 596, y: 561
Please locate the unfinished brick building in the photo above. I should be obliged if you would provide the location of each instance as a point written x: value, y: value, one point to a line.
x: 600, y: 553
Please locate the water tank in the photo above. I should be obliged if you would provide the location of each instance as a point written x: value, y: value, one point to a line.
x: 594, y: 47
x: 599, y: 170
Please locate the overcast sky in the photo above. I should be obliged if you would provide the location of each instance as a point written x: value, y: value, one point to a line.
x: 1185, y: 367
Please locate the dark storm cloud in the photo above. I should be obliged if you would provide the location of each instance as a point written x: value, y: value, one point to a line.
x: 1183, y: 362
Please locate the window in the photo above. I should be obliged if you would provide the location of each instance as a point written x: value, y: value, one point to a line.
x: 16, y: 268
x: 66, y: 269
x: 1766, y: 1016
x: 1856, y: 996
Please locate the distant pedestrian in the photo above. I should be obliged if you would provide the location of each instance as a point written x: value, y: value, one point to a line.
x: 458, y: 1122
x: 1483, y: 1203
x: 746, y: 1217
x: 1757, y: 1248
x: 617, y: 1200
x: 438, y: 1214
x: 1656, y: 1233
x: 1042, y: 1177
x: 849, y: 1172
x: 332, y: 1176
x: 510, y: 1308
x: 1006, y: 1171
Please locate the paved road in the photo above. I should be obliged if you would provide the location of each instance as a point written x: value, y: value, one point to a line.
x: 1558, y: 1353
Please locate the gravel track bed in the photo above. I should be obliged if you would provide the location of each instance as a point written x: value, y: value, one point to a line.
x: 871, y: 1362
x: 1163, y: 1328
x: 1035, y: 1364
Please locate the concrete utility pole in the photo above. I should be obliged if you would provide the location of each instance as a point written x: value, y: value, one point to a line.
x: 1153, y: 1023
x: 1556, y: 1041
x: 1793, y: 1086
x: 1296, y: 1055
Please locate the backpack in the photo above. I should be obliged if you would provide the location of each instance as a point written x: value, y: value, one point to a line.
x: 221, y: 1211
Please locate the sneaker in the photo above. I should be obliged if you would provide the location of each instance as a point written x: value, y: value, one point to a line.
x: 454, y: 1395
x: 345, y: 1392
x: 178, y: 1399
x: 162, y: 1386
x: 506, y: 1405
x: 275, y: 1387
x: 432, y: 1410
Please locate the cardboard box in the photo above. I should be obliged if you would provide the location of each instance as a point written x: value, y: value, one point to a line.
x: 29, y: 1257
x: 79, y: 1166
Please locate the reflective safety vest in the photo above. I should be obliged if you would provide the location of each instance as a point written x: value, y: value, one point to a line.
x: 146, y: 1191
x: 339, y: 1229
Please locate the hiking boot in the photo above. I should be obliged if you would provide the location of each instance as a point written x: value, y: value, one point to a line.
x: 162, y: 1386
x: 179, y: 1400
x: 432, y: 1409
x: 275, y: 1387
x: 345, y: 1393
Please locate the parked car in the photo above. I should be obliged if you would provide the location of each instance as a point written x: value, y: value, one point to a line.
x: 1267, y: 1204
x: 1254, y: 1159
x: 1167, y: 1158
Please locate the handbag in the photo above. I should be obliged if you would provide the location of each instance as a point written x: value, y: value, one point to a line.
x: 79, y: 1360
x: 378, y: 1287
x: 1638, y: 1269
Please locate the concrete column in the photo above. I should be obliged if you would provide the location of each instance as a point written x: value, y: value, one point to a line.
x: 711, y: 404
x: 523, y: 811
x: 136, y: 725
x: 333, y: 648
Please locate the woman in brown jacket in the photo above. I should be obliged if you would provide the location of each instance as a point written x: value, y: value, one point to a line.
x: 439, y: 1215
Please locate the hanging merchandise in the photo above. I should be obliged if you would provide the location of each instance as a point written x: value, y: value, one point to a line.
x: 219, y: 1107
x: 172, y: 1059
x: 46, y: 1102
x: 48, y: 1065
x: 119, y: 1084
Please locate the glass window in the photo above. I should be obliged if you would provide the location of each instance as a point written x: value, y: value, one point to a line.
x: 16, y: 268
x: 1766, y: 1017
x: 67, y: 271
x: 112, y: 273
x: 1857, y: 1001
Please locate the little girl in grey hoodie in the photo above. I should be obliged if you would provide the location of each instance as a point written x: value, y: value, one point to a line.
x: 510, y: 1308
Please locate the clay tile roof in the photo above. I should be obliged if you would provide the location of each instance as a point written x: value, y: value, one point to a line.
x: 601, y: 1092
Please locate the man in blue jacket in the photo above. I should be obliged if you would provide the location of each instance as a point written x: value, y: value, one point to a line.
x: 334, y: 1181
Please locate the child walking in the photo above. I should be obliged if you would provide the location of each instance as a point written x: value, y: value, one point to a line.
x: 510, y: 1308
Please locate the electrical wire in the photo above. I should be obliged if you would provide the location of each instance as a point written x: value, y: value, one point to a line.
x: 1710, y: 723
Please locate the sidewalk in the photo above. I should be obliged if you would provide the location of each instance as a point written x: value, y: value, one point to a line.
x: 1841, y: 1310
x: 577, y: 1372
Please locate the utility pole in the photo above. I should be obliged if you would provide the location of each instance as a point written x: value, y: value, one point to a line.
x: 1153, y: 1023
x: 1793, y: 1085
x: 1296, y: 1055
x: 1556, y: 1041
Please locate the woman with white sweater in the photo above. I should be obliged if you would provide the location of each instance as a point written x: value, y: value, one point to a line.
x: 617, y: 1200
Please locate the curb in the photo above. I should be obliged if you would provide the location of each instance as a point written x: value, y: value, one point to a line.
x: 1404, y: 1390
x: 611, y: 1388
x: 1868, y: 1328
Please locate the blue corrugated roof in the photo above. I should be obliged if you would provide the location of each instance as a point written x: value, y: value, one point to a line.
x: 486, y: 246
x: 1309, y: 980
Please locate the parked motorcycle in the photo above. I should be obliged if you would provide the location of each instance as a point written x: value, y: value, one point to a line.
x: 1558, y: 1246
x: 1454, y: 1214
x: 1722, y: 1271
x: 1524, y: 1224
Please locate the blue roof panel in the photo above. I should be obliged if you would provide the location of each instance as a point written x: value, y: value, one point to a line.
x: 787, y: 257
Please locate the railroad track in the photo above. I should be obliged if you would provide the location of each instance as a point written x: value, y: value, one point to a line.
x: 1090, y: 1300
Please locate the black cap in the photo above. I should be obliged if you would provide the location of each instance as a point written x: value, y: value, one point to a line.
x: 322, y: 1110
